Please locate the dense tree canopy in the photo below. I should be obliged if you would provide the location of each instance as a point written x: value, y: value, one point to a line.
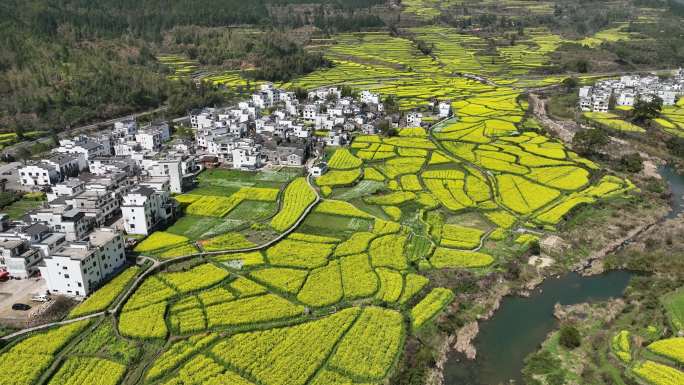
x: 646, y: 109
x: 67, y: 62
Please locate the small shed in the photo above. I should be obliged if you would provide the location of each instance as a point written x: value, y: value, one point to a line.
x: 318, y: 169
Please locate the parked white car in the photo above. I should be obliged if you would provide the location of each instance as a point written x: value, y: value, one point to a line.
x: 40, y: 298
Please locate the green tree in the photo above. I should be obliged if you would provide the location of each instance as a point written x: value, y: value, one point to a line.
x: 39, y: 148
x: 391, y: 104
x: 581, y: 66
x: 331, y: 98
x: 425, y: 48
x: 570, y: 83
x: 645, y: 110
x: 535, y: 248
x: 183, y: 132
x: 384, y: 125
x: 537, y: 364
x: 54, y: 138
x: 631, y: 163
x: 590, y: 141
x: 347, y: 91
x: 301, y: 93
x: 23, y: 153
x: 676, y: 146
x: 569, y: 337
x: 19, y: 130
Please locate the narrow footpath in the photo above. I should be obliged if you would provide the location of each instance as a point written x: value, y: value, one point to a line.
x: 157, y: 265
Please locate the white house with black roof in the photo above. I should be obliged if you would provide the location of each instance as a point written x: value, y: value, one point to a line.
x: 143, y: 208
x: 77, y: 268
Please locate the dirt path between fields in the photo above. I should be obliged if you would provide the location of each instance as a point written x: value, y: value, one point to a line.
x: 564, y: 129
x: 157, y: 265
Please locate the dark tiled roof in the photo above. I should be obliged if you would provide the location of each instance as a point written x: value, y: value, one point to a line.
x: 36, y: 228
x: 144, y: 190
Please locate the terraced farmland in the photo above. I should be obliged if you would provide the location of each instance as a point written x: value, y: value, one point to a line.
x: 321, y: 281
x: 365, y: 249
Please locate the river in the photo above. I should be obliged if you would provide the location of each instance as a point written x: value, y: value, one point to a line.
x: 676, y: 182
x: 521, y: 324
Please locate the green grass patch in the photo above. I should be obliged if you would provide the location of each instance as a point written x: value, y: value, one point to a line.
x: 333, y: 225
x: 19, y: 208
x: 193, y: 226
x: 253, y: 211
x: 674, y: 303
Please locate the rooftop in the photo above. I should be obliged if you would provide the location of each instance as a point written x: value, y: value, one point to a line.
x: 101, y: 237
x: 11, y: 243
x: 43, y: 165
x: 35, y: 229
x: 52, y: 239
x: 71, y: 182
x: 72, y: 213
x: 89, y: 145
x: 61, y: 159
x: 143, y: 190
x: 75, y: 250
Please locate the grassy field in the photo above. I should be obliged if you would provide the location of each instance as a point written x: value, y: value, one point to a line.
x: 226, y: 182
x: 612, y: 121
x: 193, y: 227
x: 563, y: 106
x: 18, y: 209
x: 674, y: 303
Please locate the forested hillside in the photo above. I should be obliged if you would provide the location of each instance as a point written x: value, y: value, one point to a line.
x: 67, y: 62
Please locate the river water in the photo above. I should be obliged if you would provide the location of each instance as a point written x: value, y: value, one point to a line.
x: 521, y: 324
x: 676, y: 183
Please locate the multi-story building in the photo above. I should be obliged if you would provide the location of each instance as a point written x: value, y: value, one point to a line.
x: 325, y: 93
x: 67, y: 188
x: 413, y: 119
x: 127, y: 147
x: 222, y: 147
x: 626, y: 98
x: 444, y: 109
x: 39, y: 174
x: 38, y: 235
x: 144, y: 208
x: 149, y: 140
x: 152, y: 136
x: 628, y: 90
x: 81, y: 145
x: 310, y: 112
x: 68, y: 165
x: 247, y: 155
x: 370, y: 97
x: 49, y: 171
x: 103, y: 166
x: 78, y: 268
x: 68, y: 220
x: 100, y: 206
x: 168, y: 168
x: 125, y: 128
x: 285, y: 154
x: 200, y: 118
x: 18, y: 259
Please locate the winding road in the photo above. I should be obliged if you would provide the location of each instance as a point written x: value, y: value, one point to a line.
x: 157, y: 265
x: 565, y: 130
x: 88, y: 128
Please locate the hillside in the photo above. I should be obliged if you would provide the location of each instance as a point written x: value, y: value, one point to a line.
x: 69, y: 62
